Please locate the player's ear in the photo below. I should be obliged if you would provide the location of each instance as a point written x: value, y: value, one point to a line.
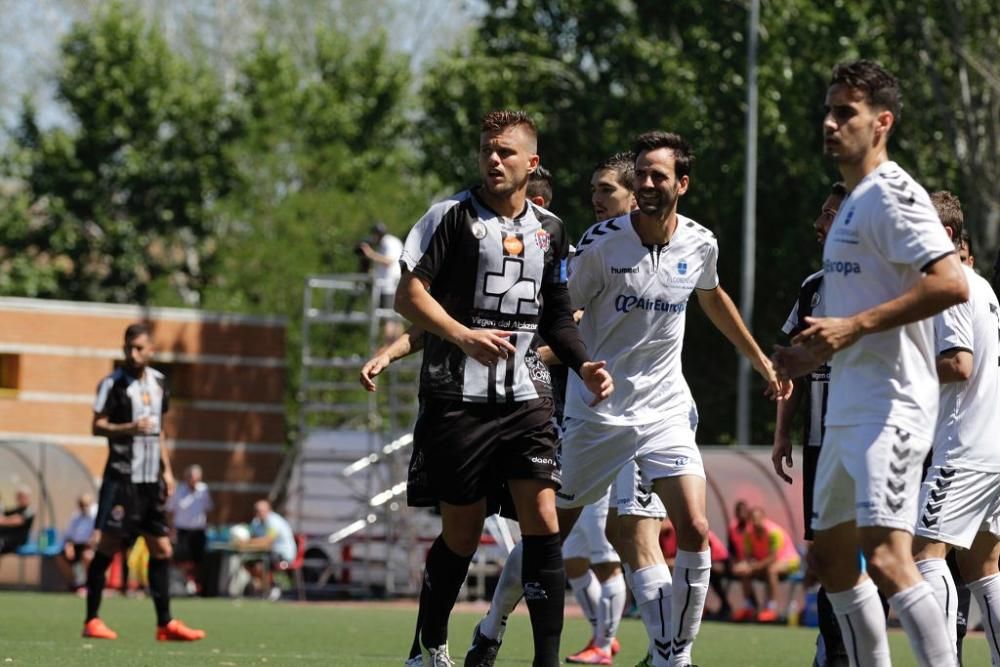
x: 884, y: 121
x: 533, y: 163
x: 682, y: 184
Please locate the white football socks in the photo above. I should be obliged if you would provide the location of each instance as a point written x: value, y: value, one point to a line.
x: 936, y: 573
x: 651, y: 587
x: 506, y: 596
x: 862, y: 624
x: 924, y: 623
x: 987, y: 594
x: 692, y: 570
x: 609, y: 611
x: 587, y: 591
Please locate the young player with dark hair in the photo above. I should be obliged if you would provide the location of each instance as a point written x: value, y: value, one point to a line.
x: 888, y: 266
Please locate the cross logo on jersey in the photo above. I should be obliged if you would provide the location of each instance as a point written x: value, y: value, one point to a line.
x: 514, y: 294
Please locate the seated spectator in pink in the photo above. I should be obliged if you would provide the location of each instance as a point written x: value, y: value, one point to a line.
x: 770, y: 554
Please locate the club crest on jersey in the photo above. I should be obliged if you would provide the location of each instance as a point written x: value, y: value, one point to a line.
x: 479, y: 230
x: 513, y: 245
x: 850, y: 216
x: 543, y: 239
x: 682, y: 267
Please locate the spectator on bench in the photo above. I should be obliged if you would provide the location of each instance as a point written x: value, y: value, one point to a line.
x: 269, y: 531
x: 770, y: 554
x: 79, y: 541
x: 15, y: 524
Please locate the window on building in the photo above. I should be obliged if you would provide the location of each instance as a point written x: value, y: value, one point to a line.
x: 10, y: 372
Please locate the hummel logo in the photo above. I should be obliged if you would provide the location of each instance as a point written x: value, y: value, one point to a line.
x: 941, y: 484
x: 896, y: 487
x: 937, y: 498
x: 932, y: 509
x: 663, y: 648
x: 929, y: 522
x: 948, y: 473
x: 898, y: 470
x: 900, y: 452
x: 896, y: 505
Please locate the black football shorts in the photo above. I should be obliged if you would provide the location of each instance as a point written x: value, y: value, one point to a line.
x: 129, y: 509
x: 463, y: 452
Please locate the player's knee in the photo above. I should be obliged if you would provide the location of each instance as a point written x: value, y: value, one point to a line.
x: 884, y: 565
x: 692, y: 534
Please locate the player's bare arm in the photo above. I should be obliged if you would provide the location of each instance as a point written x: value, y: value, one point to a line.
x: 954, y: 366
x: 721, y: 310
x: 597, y: 379
x: 168, y: 471
x: 943, y: 286
x: 415, y: 303
x: 410, y: 342
x: 781, y: 450
x: 103, y: 428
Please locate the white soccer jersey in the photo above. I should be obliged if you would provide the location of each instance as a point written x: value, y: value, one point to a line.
x: 885, y: 233
x: 969, y: 414
x: 634, y: 298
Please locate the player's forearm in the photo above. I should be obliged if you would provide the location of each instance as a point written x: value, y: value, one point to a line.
x: 722, y: 312
x: 168, y: 471
x: 558, y: 328
x: 102, y: 428
x: 415, y: 303
x: 954, y: 367
x: 943, y: 287
x: 786, y: 412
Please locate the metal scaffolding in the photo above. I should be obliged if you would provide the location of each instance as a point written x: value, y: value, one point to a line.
x: 345, y: 482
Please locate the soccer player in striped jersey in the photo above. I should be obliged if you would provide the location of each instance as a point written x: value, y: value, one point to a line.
x: 888, y: 266
x: 960, y: 497
x: 483, y: 272
x: 814, y: 387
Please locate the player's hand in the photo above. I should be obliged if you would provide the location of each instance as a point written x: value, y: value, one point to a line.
x: 781, y: 456
x: 143, y: 426
x: 487, y: 346
x: 792, y: 362
x: 372, y: 368
x: 169, y: 482
x: 778, y: 389
x: 826, y: 335
x: 598, y: 380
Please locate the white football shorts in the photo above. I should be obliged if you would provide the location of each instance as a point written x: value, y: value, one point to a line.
x: 633, y: 496
x: 870, y: 474
x: 587, y: 539
x: 593, y: 455
x: 957, y: 503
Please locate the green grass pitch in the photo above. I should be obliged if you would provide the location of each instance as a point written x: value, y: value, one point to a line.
x: 44, y: 629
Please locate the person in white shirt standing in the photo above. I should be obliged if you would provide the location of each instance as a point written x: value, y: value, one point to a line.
x: 633, y: 276
x: 960, y: 498
x: 190, y: 506
x: 385, y: 257
x: 888, y: 266
x: 78, y: 542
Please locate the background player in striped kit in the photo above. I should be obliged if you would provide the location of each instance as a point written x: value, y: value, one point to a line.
x: 477, y: 269
x: 129, y: 411
x: 960, y: 497
x: 888, y: 266
x: 814, y: 387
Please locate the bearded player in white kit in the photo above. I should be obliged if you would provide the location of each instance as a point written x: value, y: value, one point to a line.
x: 888, y: 266
x: 633, y: 276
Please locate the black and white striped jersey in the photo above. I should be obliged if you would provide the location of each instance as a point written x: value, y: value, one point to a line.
x: 810, y: 304
x: 488, y: 272
x: 124, y: 398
